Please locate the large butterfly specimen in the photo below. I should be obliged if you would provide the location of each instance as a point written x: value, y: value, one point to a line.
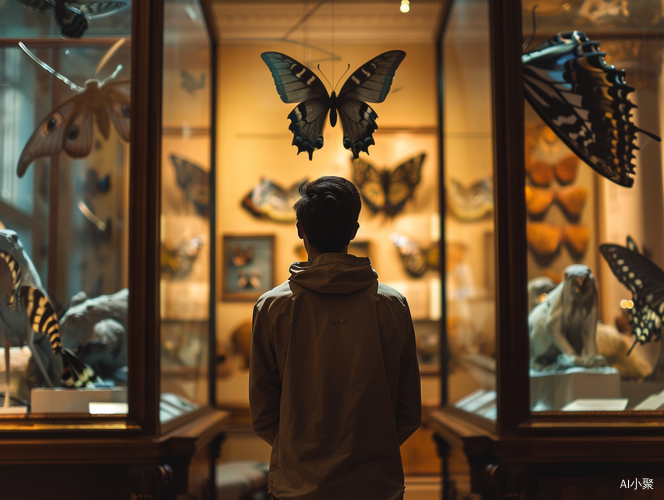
x: 585, y: 102
x: 177, y: 261
x: 646, y: 282
x: 470, y: 203
x: 69, y: 128
x: 194, y: 182
x: 416, y: 259
x: 297, y: 83
x: 268, y: 200
x: 72, y: 15
x: 387, y: 190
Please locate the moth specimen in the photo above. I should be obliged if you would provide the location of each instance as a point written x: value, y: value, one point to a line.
x: 69, y: 128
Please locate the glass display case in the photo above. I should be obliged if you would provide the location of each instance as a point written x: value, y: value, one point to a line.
x: 106, y: 234
x: 572, y: 90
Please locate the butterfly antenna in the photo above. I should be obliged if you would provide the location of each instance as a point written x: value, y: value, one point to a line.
x: 109, y: 54
x: 75, y: 61
x: 112, y: 75
x: 328, y: 81
x: 529, y: 40
x: 60, y: 77
x: 342, y: 76
x: 630, y: 349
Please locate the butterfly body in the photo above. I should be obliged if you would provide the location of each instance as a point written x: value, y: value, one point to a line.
x: 387, y: 190
x: 585, y: 102
x: 296, y: 83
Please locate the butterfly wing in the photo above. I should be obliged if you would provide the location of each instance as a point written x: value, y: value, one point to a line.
x: 194, y: 181
x: 71, y: 20
x: 297, y: 83
x: 414, y: 258
x: 117, y: 100
x: 585, y: 102
x: 95, y: 9
x: 47, y: 139
x: 370, y: 83
x: 369, y: 182
x: 402, y: 182
x: 646, y: 282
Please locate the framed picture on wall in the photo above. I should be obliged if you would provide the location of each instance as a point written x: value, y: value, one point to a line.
x: 248, y: 266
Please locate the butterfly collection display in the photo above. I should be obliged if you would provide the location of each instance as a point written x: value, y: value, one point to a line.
x: 470, y: 203
x: 542, y: 173
x: 268, y: 200
x: 69, y: 128
x: 646, y: 282
x: 585, y: 102
x: 177, y: 261
x: 190, y: 83
x: 194, y: 182
x: 249, y: 280
x: 387, y: 190
x: 416, y: 259
x: 298, y: 84
x: 544, y: 239
x: 241, y: 256
x: 571, y: 199
x: 72, y: 15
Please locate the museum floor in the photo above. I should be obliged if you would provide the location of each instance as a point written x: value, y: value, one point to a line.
x: 422, y: 488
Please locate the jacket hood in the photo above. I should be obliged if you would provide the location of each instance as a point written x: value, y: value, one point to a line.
x: 334, y: 273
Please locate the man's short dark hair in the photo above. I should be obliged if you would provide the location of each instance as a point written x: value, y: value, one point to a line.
x: 328, y: 212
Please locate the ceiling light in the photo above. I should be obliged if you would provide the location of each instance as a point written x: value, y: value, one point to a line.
x: 405, y: 6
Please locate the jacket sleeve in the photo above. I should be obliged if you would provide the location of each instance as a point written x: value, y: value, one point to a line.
x: 409, y: 399
x: 264, y: 380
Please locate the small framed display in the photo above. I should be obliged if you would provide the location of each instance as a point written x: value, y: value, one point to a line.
x: 248, y: 266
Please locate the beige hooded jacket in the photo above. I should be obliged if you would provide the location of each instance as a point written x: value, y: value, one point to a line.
x: 334, y: 382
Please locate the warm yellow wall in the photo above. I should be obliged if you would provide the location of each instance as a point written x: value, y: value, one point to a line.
x: 253, y: 140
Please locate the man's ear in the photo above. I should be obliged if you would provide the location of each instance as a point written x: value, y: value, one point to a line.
x: 300, y: 231
x: 357, y: 226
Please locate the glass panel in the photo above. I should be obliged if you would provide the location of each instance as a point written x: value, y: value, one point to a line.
x: 260, y: 170
x: 64, y: 183
x: 595, y: 213
x: 185, y: 212
x: 469, y: 224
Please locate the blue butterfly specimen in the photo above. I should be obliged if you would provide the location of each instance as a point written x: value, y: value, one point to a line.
x: 585, y: 102
x: 72, y: 15
x: 297, y: 83
x: 646, y: 282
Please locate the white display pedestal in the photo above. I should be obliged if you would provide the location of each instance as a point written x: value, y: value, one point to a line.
x: 555, y: 390
x: 61, y: 400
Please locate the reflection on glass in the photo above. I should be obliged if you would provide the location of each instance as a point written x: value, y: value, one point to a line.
x: 185, y: 217
x: 469, y: 226
x: 595, y: 246
x: 64, y: 165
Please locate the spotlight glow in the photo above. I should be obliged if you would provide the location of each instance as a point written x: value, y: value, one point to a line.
x: 405, y: 6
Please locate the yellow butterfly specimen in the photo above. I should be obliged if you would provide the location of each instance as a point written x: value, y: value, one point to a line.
x: 69, y: 127
x: 387, y: 190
